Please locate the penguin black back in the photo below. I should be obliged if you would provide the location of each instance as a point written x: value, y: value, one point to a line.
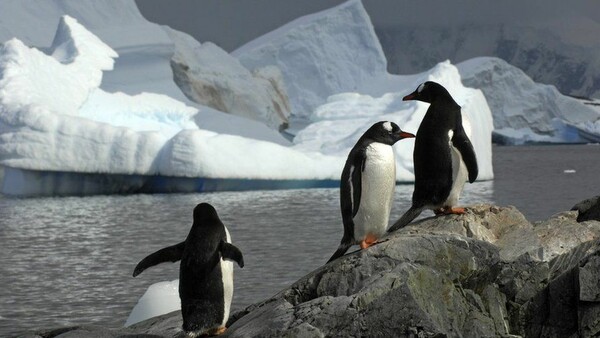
x: 441, y: 146
x: 205, y: 235
x: 432, y: 163
x: 205, y: 271
x: 202, y: 280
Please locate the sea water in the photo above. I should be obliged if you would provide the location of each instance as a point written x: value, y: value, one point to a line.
x: 68, y: 261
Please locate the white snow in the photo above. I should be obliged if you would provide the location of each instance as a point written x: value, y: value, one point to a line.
x: 592, y: 126
x: 159, y: 298
x: 145, y: 53
x: 54, y: 117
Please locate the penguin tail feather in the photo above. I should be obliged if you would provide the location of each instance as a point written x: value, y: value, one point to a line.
x: 408, y: 217
x: 341, y: 250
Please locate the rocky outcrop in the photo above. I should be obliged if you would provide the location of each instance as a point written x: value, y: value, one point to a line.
x: 588, y: 209
x: 488, y: 273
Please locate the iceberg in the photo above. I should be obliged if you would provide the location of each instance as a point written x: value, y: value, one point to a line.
x: 99, y: 140
x: 159, y: 298
x: 54, y: 118
x: 337, y: 124
x: 321, y: 54
x: 524, y: 111
x: 148, y: 54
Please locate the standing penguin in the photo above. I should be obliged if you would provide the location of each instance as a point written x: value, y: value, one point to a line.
x: 367, y: 186
x: 443, y: 156
x: 205, y: 272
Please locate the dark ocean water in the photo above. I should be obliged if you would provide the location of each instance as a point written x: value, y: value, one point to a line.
x: 68, y: 261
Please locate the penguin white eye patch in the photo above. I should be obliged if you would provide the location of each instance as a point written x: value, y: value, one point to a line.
x: 420, y: 89
x: 387, y: 126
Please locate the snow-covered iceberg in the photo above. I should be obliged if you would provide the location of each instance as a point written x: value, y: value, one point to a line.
x: 147, y: 52
x: 338, y: 123
x: 101, y: 141
x: 321, y: 54
x: 54, y: 118
x: 159, y: 298
x: 524, y: 111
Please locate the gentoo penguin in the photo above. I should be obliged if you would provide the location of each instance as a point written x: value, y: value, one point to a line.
x: 205, y: 272
x: 367, y: 186
x: 443, y: 156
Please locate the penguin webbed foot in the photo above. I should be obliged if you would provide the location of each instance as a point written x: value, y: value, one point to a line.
x: 218, y: 331
x: 368, y: 241
x: 450, y: 211
x: 209, y: 333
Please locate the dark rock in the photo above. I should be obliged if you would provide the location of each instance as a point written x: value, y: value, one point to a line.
x: 589, y: 280
x: 588, y: 210
x: 407, y: 285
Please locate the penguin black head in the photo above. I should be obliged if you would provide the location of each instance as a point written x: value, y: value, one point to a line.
x: 428, y: 92
x: 386, y: 132
x: 204, y: 212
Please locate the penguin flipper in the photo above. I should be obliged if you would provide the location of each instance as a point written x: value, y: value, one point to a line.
x: 169, y: 254
x: 351, y: 186
x: 461, y: 141
x: 408, y: 217
x: 230, y: 251
x: 341, y: 250
x: 351, y: 182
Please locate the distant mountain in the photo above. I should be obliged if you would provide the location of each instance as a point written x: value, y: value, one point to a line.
x: 548, y: 54
x: 554, y: 42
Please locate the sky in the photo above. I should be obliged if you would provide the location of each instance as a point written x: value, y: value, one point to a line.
x: 231, y: 23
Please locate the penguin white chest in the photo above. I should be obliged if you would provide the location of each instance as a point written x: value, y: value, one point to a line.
x: 377, y: 191
x: 459, y: 173
x: 227, y: 275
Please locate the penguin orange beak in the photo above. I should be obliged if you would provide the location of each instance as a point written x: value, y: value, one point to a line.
x: 404, y: 134
x: 409, y: 97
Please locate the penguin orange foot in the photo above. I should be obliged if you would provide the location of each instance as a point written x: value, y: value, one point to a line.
x: 367, y: 186
x: 368, y: 241
x: 219, y: 331
x: 443, y: 158
x: 453, y: 211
